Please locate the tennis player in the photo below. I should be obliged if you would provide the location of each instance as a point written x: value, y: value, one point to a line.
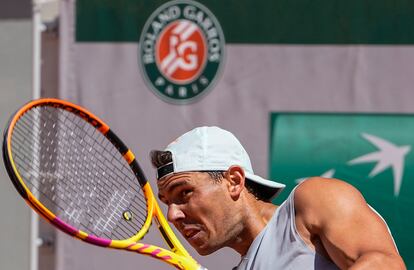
x: 215, y: 200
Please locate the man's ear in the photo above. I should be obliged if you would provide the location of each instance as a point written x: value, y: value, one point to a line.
x: 236, y: 179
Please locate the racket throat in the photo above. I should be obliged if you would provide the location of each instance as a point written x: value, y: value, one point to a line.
x: 166, y: 238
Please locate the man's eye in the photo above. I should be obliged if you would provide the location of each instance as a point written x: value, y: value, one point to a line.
x: 186, y: 192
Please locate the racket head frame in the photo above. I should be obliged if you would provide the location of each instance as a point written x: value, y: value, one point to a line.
x: 177, y: 257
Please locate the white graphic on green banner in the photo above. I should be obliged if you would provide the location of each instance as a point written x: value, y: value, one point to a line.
x: 389, y: 156
x: 370, y: 151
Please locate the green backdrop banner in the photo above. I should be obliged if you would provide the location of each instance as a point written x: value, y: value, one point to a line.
x: 283, y: 22
x: 372, y: 152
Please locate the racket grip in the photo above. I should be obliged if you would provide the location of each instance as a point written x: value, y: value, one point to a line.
x: 202, y: 268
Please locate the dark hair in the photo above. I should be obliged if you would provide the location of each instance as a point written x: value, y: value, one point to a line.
x: 161, y: 158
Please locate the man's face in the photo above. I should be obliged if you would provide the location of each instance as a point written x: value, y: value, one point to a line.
x: 200, y: 208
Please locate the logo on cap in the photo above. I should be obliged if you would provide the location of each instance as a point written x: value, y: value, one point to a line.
x: 181, y: 51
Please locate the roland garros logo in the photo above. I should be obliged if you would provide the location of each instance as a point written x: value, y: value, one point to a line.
x: 181, y: 51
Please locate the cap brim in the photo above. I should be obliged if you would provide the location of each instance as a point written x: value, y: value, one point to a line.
x: 272, y: 187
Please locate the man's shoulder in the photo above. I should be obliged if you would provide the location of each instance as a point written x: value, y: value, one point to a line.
x: 315, y: 188
x: 318, y: 197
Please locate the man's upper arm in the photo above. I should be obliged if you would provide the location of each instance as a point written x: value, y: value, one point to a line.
x: 347, y: 227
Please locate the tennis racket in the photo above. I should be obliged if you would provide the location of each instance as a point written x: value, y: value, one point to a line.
x: 73, y: 170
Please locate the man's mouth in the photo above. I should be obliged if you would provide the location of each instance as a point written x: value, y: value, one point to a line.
x: 190, y: 233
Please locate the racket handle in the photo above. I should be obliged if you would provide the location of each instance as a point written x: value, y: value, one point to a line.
x: 202, y: 268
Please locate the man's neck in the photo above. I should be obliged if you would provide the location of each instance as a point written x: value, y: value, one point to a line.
x: 257, y: 215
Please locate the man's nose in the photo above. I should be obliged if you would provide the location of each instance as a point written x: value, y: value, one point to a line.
x: 174, y: 213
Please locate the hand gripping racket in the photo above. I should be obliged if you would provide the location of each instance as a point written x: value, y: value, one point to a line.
x: 76, y: 173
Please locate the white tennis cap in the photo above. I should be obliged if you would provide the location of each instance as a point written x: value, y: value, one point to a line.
x: 213, y: 149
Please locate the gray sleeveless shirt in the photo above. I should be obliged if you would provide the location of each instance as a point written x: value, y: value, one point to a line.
x: 280, y: 247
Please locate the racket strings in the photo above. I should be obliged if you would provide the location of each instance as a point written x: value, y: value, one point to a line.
x: 72, y: 214
x: 77, y: 173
